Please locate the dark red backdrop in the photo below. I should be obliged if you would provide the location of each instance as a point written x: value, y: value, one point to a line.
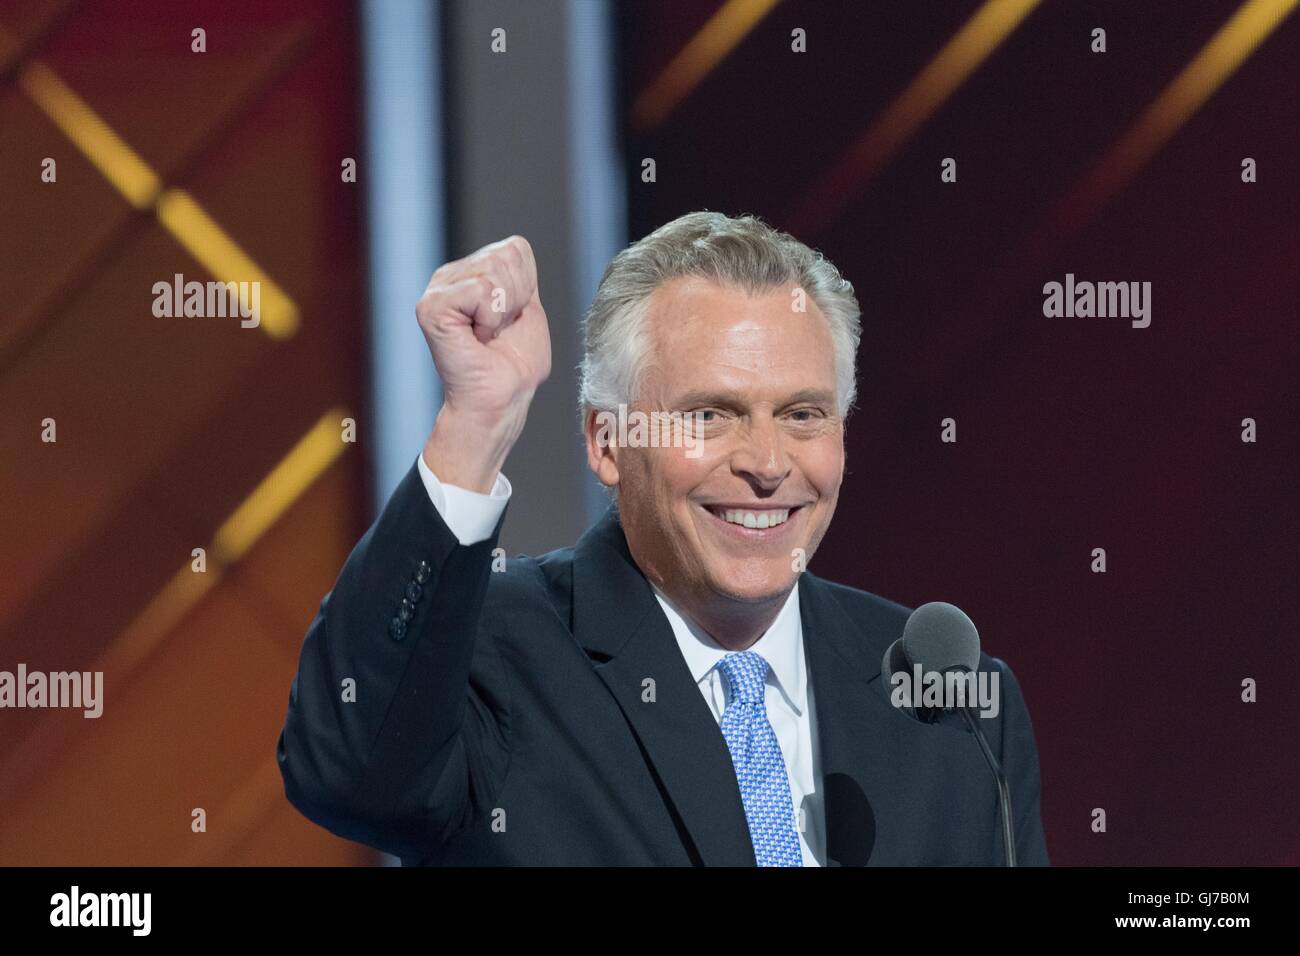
x: 1072, y: 433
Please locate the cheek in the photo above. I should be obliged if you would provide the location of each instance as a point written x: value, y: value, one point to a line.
x: 640, y: 474
x: 824, y: 467
x: 676, y: 476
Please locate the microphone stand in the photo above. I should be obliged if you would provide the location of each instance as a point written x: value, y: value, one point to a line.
x: 897, y: 659
x: 1004, y: 792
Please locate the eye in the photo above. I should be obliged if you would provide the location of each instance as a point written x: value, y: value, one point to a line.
x: 806, y: 414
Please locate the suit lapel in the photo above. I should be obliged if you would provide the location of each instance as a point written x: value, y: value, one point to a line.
x: 860, y: 745
x: 620, y: 624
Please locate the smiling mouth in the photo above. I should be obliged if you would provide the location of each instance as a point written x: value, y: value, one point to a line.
x: 754, y: 520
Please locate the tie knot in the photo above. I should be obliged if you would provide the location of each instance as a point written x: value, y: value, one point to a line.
x: 746, y: 672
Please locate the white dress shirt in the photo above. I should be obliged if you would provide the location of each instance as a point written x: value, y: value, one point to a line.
x: 788, y: 696
x: 471, y: 516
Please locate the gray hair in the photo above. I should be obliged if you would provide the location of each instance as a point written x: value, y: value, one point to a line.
x: 745, y: 252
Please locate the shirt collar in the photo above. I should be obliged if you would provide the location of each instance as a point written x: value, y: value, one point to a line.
x: 781, y: 646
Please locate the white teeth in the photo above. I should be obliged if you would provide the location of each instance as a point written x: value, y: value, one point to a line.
x: 756, y: 519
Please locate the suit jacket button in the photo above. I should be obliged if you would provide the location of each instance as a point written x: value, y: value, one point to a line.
x: 423, y: 572
x: 405, y: 611
x: 413, y: 592
x: 397, y: 629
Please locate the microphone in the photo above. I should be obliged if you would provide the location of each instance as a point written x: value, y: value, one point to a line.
x: 939, y: 638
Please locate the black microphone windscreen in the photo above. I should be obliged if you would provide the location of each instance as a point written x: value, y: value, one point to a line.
x: 940, y: 637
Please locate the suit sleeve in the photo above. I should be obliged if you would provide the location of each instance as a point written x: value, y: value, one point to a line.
x: 404, y: 760
x: 1020, y: 764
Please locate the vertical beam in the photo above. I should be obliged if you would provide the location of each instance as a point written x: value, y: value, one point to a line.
x: 596, y: 172
x: 532, y: 152
x: 402, y: 172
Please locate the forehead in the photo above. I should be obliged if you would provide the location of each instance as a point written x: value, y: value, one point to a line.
x: 706, y: 333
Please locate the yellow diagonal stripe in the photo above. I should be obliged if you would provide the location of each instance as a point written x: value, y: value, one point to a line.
x: 305, y: 462
x: 104, y: 148
x: 159, y: 617
x: 308, y: 459
x: 199, y: 233
x: 967, y: 49
x: 177, y: 210
x: 1236, y: 40
x: 970, y: 46
x: 722, y: 34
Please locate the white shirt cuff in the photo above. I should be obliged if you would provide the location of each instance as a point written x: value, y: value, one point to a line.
x: 471, y: 515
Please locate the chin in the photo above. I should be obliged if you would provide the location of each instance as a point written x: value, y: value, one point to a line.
x: 752, y: 586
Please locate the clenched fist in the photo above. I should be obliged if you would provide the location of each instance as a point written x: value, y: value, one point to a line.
x: 486, y: 330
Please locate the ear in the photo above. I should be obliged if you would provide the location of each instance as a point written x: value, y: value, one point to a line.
x: 600, y: 429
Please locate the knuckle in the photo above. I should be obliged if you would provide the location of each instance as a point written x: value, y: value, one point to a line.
x: 425, y: 305
x: 510, y: 260
x: 445, y: 274
x: 522, y: 251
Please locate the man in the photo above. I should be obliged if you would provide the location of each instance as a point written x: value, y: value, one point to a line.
x: 674, y: 689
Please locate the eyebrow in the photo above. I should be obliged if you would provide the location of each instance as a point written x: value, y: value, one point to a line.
x: 815, y: 396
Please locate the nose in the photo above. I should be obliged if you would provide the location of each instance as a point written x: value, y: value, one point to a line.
x: 760, y: 456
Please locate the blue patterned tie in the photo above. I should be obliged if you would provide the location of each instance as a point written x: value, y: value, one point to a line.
x: 760, y: 768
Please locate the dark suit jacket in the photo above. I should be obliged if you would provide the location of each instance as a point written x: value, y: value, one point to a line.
x: 504, y: 722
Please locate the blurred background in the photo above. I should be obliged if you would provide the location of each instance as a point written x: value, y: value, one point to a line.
x: 215, y: 139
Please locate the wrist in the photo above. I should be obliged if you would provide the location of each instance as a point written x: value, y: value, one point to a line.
x: 469, y: 450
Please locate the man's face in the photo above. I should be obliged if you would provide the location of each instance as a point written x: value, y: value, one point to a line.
x: 771, y: 445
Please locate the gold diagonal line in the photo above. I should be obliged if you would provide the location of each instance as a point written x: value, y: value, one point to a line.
x: 175, y: 209
x: 1234, y: 42
x: 118, y: 163
x: 308, y: 459
x: 213, y: 249
x: 306, y: 462
x: 722, y: 34
x: 969, y: 47
x: 273, y: 496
